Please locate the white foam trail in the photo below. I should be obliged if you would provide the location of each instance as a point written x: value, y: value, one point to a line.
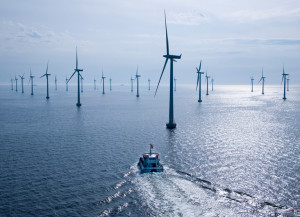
x: 167, y: 194
x: 120, y: 184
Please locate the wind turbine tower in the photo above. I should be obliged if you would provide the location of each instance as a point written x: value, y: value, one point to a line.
x: 110, y: 83
x: 149, y: 83
x: 55, y: 83
x: 22, y: 79
x: 263, y: 82
x: 102, y: 79
x: 212, y: 83
x: 175, y: 79
x: 131, y: 79
x: 207, y: 77
x: 12, y: 83
x: 78, y: 80
x: 284, y: 84
x: 252, y: 79
x: 137, y: 81
x: 172, y: 58
x: 94, y: 84
x: 47, y: 75
x: 31, y: 81
x: 16, y: 83
x: 288, y: 83
x: 199, y: 81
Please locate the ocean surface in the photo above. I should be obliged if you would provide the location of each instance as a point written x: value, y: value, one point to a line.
x: 235, y: 154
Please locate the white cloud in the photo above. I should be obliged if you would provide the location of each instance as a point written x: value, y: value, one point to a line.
x: 192, y: 18
x: 256, y: 15
x: 18, y: 35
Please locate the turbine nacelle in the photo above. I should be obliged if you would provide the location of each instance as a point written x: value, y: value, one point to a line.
x: 168, y: 56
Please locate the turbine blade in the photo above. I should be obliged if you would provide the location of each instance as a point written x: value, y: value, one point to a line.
x: 71, y: 76
x: 161, y: 76
x: 200, y: 65
x: 260, y: 80
x: 47, y: 68
x: 167, y: 40
x: 43, y: 75
x: 76, y: 59
x: 282, y: 79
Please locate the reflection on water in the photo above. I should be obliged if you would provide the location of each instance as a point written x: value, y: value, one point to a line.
x: 235, y: 154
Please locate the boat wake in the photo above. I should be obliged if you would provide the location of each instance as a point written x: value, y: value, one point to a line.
x: 177, y: 193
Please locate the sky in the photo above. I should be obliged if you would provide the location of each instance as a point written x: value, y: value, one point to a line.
x: 235, y: 39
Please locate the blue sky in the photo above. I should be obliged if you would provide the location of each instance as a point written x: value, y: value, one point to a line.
x: 234, y: 39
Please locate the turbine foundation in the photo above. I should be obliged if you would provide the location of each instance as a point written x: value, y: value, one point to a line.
x: 171, y: 125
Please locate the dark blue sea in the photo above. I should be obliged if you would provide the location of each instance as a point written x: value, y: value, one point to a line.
x: 235, y: 154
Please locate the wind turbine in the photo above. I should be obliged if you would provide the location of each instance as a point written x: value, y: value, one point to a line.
x: 284, y: 86
x: 102, y: 79
x: 207, y: 77
x: 172, y: 58
x: 55, y: 83
x: 288, y: 83
x: 110, y: 83
x: 212, y: 83
x: 46, y: 74
x: 199, y: 81
x: 252, y: 79
x: 22, y: 79
x: 149, y: 83
x: 31, y: 81
x: 131, y: 79
x: 175, y: 83
x: 12, y: 83
x: 78, y: 81
x: 263, y: 81
x: 81, y: 80
x: 94, y: 84
x: 67, y: 88
x: 137, y: 81
x: 16, y: 83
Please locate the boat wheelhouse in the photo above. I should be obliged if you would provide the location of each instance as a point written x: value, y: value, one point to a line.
x: 150, y: 162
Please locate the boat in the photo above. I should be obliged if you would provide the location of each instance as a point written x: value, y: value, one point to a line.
x: 150, y: 162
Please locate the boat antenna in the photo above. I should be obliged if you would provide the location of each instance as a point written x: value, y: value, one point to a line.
x: 151, y: 146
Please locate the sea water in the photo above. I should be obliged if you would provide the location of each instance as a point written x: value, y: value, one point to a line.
x: 234, y: 154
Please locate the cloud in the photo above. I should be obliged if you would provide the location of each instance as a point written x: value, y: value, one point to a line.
x: 283, y: 42
x: 256, y: 15
x: 18, y: 37
x: 19, y: 32
x: 192, y: 18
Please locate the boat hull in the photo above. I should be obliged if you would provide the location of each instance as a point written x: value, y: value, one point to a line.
x: 149, y: 169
